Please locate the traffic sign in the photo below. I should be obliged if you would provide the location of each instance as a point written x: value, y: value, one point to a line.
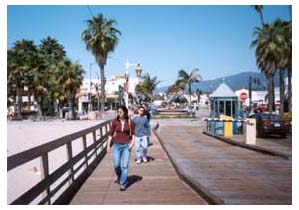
x: 243, y: 96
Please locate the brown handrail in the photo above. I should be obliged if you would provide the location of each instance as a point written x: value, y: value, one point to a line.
x: 42, y: 152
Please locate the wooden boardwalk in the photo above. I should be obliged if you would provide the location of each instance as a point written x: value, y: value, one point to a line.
x: 233, y: 174
x: 155, y: 182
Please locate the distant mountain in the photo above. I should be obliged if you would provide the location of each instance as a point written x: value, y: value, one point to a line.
x: 235, y: 82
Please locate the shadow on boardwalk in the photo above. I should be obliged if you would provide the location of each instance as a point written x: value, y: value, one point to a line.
x: 133, y: 179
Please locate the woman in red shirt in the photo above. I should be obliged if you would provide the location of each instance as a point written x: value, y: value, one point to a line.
x: 124, y: 140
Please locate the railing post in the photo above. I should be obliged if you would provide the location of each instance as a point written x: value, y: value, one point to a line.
x: 106, y: 129
x: 85, y: 146
x: 94, y: 142
x: 101, y: 131
x: 70, y: 156
x: 45, y: 173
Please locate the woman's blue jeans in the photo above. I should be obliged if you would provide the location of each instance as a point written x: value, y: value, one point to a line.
x: 121, y: 158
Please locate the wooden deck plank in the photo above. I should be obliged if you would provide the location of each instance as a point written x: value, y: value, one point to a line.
x: 156, y: 183
x: 236, y: 175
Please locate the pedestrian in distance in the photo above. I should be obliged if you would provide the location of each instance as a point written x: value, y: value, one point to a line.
x: 142, y: 131
x: 148, y: 116
x: 124, y: 130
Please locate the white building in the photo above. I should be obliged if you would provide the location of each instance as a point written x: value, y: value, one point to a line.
x: 257, y: 97
x: 111, y: 90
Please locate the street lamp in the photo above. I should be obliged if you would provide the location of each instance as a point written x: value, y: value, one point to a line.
x: 138, y: 73
x: 138, y: 70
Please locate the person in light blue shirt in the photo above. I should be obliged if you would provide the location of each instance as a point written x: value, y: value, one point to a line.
x: 142, y: 131
x: 148, y: 116
x: 243, y: 113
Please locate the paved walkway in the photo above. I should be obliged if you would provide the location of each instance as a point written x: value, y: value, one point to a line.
x: 155, y: 182
x: 233, y: 174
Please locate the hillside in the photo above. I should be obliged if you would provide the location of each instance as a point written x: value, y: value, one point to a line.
x: 237, y: 81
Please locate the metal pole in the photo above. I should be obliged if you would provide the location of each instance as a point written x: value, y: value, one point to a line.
x: 249, y: 89
x: 90, y: 107
x: 127, y: 65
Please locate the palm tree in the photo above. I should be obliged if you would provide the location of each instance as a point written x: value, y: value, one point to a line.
x: 70, y: 79
x: 259, y: 9
x: 15, y: 78
x: 288, y: 36
x: 267, y: 53
x: 20, y: 69
x: 281, y: 30
x: 52, y: 53
x: 101, y: 38
x: 173, y: 89
x: 185, y: 78
x: 286, y: 30
x: 147, y: 87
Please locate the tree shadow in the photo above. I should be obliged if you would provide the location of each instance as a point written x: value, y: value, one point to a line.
x: 133, y: 179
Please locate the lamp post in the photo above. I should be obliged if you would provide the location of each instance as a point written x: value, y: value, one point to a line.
x: 198, y: 93
x: 90, y: 86
x: 138, y: 73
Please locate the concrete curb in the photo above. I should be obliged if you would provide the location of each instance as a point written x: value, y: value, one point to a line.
x: 197, y: 187
x: 251, y: 147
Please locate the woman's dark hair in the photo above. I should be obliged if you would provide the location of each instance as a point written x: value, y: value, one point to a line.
x: 125, y: 110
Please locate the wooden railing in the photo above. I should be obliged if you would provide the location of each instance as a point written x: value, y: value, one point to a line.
x: 73, y: 172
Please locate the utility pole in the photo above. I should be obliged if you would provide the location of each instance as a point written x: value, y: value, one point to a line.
x: 255, y: 81
x: 249, y: 92
x: 90, y: 84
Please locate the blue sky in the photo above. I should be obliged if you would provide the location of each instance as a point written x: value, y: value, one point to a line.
x: 164, y: 39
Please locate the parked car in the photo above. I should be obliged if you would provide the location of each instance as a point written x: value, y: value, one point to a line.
x: 270, y: 124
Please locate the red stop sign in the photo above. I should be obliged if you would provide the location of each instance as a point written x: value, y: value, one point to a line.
x: 243, y: 96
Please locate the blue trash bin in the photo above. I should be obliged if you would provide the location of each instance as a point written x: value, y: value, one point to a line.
x: 219, y: 128
x: 235, y: 127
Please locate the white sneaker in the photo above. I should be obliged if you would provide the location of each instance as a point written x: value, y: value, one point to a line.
x: 138, y: 161
x: 144, y: 159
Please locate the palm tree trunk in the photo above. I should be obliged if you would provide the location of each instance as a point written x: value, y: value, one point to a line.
x: 290, y: 89
x: 281, y: 90
x: 103, y: 89
x: 273, y: 95
x: 70, y: 105
x: 39, y: 106
x: 262, y: 19
x: 190, y: 95
x: 270, y: 93
x: 19, y: 103
x: 56, y: 108
x: 29, y: 98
